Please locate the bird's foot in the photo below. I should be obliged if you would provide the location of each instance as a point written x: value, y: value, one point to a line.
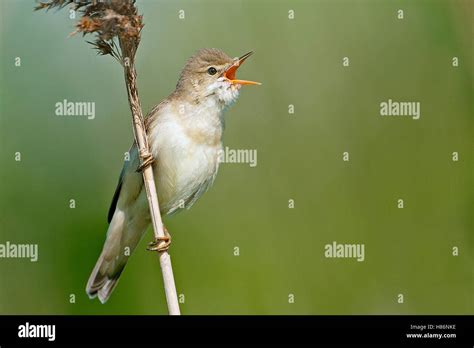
x: 147, y: 160
x: 160, y: 244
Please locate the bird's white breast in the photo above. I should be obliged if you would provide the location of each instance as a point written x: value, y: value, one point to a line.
x: 185, y: 141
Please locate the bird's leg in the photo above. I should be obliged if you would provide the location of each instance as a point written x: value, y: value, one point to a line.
x: 160, y: 244
x: 147, y: 159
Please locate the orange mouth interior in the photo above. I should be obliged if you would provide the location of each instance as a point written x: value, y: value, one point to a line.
x: 229, y: 74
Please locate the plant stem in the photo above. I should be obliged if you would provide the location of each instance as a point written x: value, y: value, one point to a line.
x: 148, y: 179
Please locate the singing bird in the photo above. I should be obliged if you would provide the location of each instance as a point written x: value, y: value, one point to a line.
x: 185, y: 137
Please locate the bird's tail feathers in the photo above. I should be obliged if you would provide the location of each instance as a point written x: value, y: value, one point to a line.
x: 122, y: 238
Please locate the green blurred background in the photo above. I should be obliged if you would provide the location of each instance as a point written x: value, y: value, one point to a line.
x: 407, y: 251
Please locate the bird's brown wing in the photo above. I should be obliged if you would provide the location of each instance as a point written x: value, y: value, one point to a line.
x: 151, y: 116
x: 115, y: 198
x: 113, y: 204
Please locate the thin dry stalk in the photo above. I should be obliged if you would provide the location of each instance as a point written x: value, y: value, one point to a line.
x: 116, y: 27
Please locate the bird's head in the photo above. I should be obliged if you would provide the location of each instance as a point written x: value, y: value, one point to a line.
x: 211, y: 73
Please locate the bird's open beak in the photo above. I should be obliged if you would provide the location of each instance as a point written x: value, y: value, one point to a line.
x: 229, y: 74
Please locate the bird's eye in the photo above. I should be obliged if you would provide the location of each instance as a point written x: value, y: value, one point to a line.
x: 212, y: 71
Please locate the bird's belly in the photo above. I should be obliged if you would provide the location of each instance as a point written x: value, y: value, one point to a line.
x: 183, y: 169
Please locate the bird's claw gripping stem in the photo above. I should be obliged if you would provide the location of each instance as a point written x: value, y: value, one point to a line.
x: 160, y: 244
x: 147, y: 160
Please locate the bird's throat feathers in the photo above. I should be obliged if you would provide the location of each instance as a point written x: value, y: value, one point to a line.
x: 203, y: 110
x: 219, y: 95
x: 223, y: 93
